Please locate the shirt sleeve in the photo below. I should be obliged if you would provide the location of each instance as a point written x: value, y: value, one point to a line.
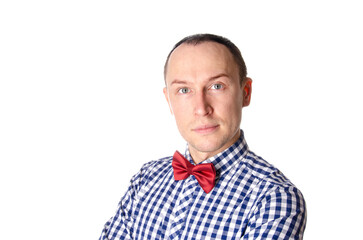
x: 121, y: 225
x: 279, y: 215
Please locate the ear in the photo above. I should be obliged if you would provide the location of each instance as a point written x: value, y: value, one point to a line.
x: 167, y: 99
x: 247, y: 91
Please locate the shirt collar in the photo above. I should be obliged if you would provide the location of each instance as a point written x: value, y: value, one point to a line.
x: 224, y: 160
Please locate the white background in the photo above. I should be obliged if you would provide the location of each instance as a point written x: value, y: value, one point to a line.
x: 81, y: 104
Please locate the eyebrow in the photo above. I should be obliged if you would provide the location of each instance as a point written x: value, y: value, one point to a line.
x: 219, y: 76
x: 177, y: 81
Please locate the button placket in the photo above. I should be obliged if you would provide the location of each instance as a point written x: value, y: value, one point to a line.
x: 184, y: 203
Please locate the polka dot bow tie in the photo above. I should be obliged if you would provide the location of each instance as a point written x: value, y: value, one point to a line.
x: 205, y: 173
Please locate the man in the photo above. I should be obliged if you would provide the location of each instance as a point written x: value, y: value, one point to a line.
x: 219, y: 189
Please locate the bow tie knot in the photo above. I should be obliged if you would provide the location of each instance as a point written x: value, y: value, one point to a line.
x: 205, y: 173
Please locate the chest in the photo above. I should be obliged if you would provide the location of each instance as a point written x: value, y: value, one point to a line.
x: 169, y: 209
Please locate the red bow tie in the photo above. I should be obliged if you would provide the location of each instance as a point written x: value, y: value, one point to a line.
x: 204, y: 173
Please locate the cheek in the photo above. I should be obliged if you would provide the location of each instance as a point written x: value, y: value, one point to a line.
x: 180, y: 111
x: 229, y: 109
x: 230, y: 103
x: 176, y: 107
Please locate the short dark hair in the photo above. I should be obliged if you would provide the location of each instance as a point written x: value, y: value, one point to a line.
x: 206, y: 37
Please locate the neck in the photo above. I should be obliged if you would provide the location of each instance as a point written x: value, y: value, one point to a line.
x: 200, y: 156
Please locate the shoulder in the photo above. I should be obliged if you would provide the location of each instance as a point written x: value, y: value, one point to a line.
x: 264, y: 171
x: 276, y: 196
x: 151, y: 170
x: 271, y: 183
x: 274, y: 188
x: 156, y: 165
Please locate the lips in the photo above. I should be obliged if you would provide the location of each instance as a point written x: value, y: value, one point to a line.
x: 205, y: 129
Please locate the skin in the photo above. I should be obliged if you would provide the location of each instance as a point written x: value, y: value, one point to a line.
x: 206, y: 97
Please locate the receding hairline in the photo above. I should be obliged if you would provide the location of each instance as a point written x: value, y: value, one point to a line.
x: 197, y: 39
x: 191, y: 43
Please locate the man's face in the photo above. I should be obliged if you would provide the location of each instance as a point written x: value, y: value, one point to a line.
x: 205, y: 95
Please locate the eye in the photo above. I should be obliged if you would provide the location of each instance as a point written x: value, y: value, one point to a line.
x: 217, y: 86
x: 184, y: 90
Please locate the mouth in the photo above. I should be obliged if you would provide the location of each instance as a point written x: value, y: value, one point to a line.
x: 205, y: 129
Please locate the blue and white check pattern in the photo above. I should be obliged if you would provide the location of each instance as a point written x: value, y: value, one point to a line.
x: 251, y: 200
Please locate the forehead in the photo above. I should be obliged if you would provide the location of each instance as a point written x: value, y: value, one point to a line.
x: 203, y: 58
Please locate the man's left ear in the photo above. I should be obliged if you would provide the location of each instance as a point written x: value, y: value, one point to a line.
x: 247, y: 91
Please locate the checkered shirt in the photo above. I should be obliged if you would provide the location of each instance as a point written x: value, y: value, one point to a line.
x: 251, y: 200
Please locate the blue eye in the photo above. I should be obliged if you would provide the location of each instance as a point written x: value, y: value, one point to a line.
x: 217, y: 86
x: 184, y: 90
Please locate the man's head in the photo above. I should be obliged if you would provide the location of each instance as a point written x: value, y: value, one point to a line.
x: 206, y: 88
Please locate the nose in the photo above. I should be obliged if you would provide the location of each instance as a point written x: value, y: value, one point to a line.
x: 202, y: 105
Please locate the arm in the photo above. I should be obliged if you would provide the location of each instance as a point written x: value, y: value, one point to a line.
x: 121, y: 225
x: 279, y: 215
